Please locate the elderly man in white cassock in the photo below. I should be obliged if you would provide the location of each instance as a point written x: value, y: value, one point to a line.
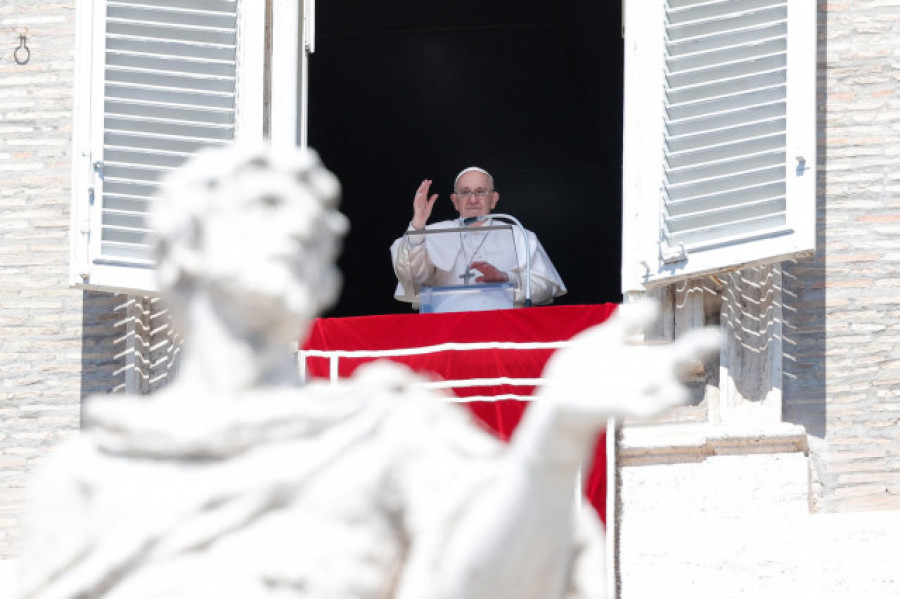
x: 481, y: 255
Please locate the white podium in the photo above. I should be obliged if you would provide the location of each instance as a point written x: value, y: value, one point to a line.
x: 467, y: 298
x: 451, y: 251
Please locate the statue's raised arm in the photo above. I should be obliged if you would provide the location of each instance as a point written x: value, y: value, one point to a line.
x: 520, y: 541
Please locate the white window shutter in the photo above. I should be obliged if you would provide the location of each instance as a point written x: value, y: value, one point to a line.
x: 155, y: 84
x: 719, y: 168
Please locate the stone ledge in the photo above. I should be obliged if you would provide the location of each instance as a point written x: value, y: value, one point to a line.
x: 685, y: 443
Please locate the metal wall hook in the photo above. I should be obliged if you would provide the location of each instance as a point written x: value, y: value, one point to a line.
x: 22, y: 54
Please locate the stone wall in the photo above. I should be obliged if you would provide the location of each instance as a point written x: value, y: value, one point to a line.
x: 842, y: 309
x: 57, y: 344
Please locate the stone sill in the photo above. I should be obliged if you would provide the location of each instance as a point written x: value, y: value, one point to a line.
x: 694, y: 442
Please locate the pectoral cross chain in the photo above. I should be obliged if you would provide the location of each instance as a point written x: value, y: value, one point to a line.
x: 462, y: 248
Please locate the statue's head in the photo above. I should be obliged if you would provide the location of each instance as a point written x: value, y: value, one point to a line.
x: 253, y: 234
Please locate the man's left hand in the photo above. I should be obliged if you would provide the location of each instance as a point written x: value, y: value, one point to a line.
x: 489, y: 273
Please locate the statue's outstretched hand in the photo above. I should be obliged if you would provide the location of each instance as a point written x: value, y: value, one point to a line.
x: 607, y: 373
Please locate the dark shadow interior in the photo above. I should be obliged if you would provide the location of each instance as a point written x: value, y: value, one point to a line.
x: 530, y: 90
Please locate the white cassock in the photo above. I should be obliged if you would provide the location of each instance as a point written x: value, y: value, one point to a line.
x: 441, y: 260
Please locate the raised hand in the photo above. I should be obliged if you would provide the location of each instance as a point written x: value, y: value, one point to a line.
x: 422, y: 205
x: 489, y: 273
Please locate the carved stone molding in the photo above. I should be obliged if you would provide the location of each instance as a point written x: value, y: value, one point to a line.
x: 680, y: 443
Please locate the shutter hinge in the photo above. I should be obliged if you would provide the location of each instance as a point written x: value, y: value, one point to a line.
x: 84, y: 221
x: 673, y: 254
x: 96, y: 168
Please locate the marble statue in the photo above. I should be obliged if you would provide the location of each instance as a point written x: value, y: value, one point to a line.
x: 237, y: 481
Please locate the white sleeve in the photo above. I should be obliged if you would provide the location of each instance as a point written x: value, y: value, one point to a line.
x: 542, y: 290
x: 412, y: 266
x: 546, y: 283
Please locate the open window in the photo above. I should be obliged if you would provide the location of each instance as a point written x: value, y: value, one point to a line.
x: 154, y: 84
x: 529, y: 90
x: 719, y: 136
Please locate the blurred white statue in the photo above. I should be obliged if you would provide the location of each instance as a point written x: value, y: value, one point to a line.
x: 235, y: 481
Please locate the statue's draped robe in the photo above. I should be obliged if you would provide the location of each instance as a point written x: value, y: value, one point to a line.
x: 342, y: 492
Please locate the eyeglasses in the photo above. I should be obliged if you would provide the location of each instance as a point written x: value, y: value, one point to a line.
x: 478, y: 193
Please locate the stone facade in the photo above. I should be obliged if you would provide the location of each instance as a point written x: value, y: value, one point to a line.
x: 842, y: 309
x: 837, y: 313
x: 840, y: 323
x: 57, y: 344
x: 759, y: 506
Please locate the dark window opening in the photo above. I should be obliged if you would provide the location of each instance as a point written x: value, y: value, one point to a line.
x: 530, y: 90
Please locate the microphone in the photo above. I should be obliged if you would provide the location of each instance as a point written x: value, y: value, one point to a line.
x: 472, y: 219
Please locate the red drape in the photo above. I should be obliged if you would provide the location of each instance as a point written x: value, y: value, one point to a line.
x: 549, y: 323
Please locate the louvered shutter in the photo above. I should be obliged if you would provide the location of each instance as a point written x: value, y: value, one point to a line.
x: 721, y: 171
x: 164, y: 81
